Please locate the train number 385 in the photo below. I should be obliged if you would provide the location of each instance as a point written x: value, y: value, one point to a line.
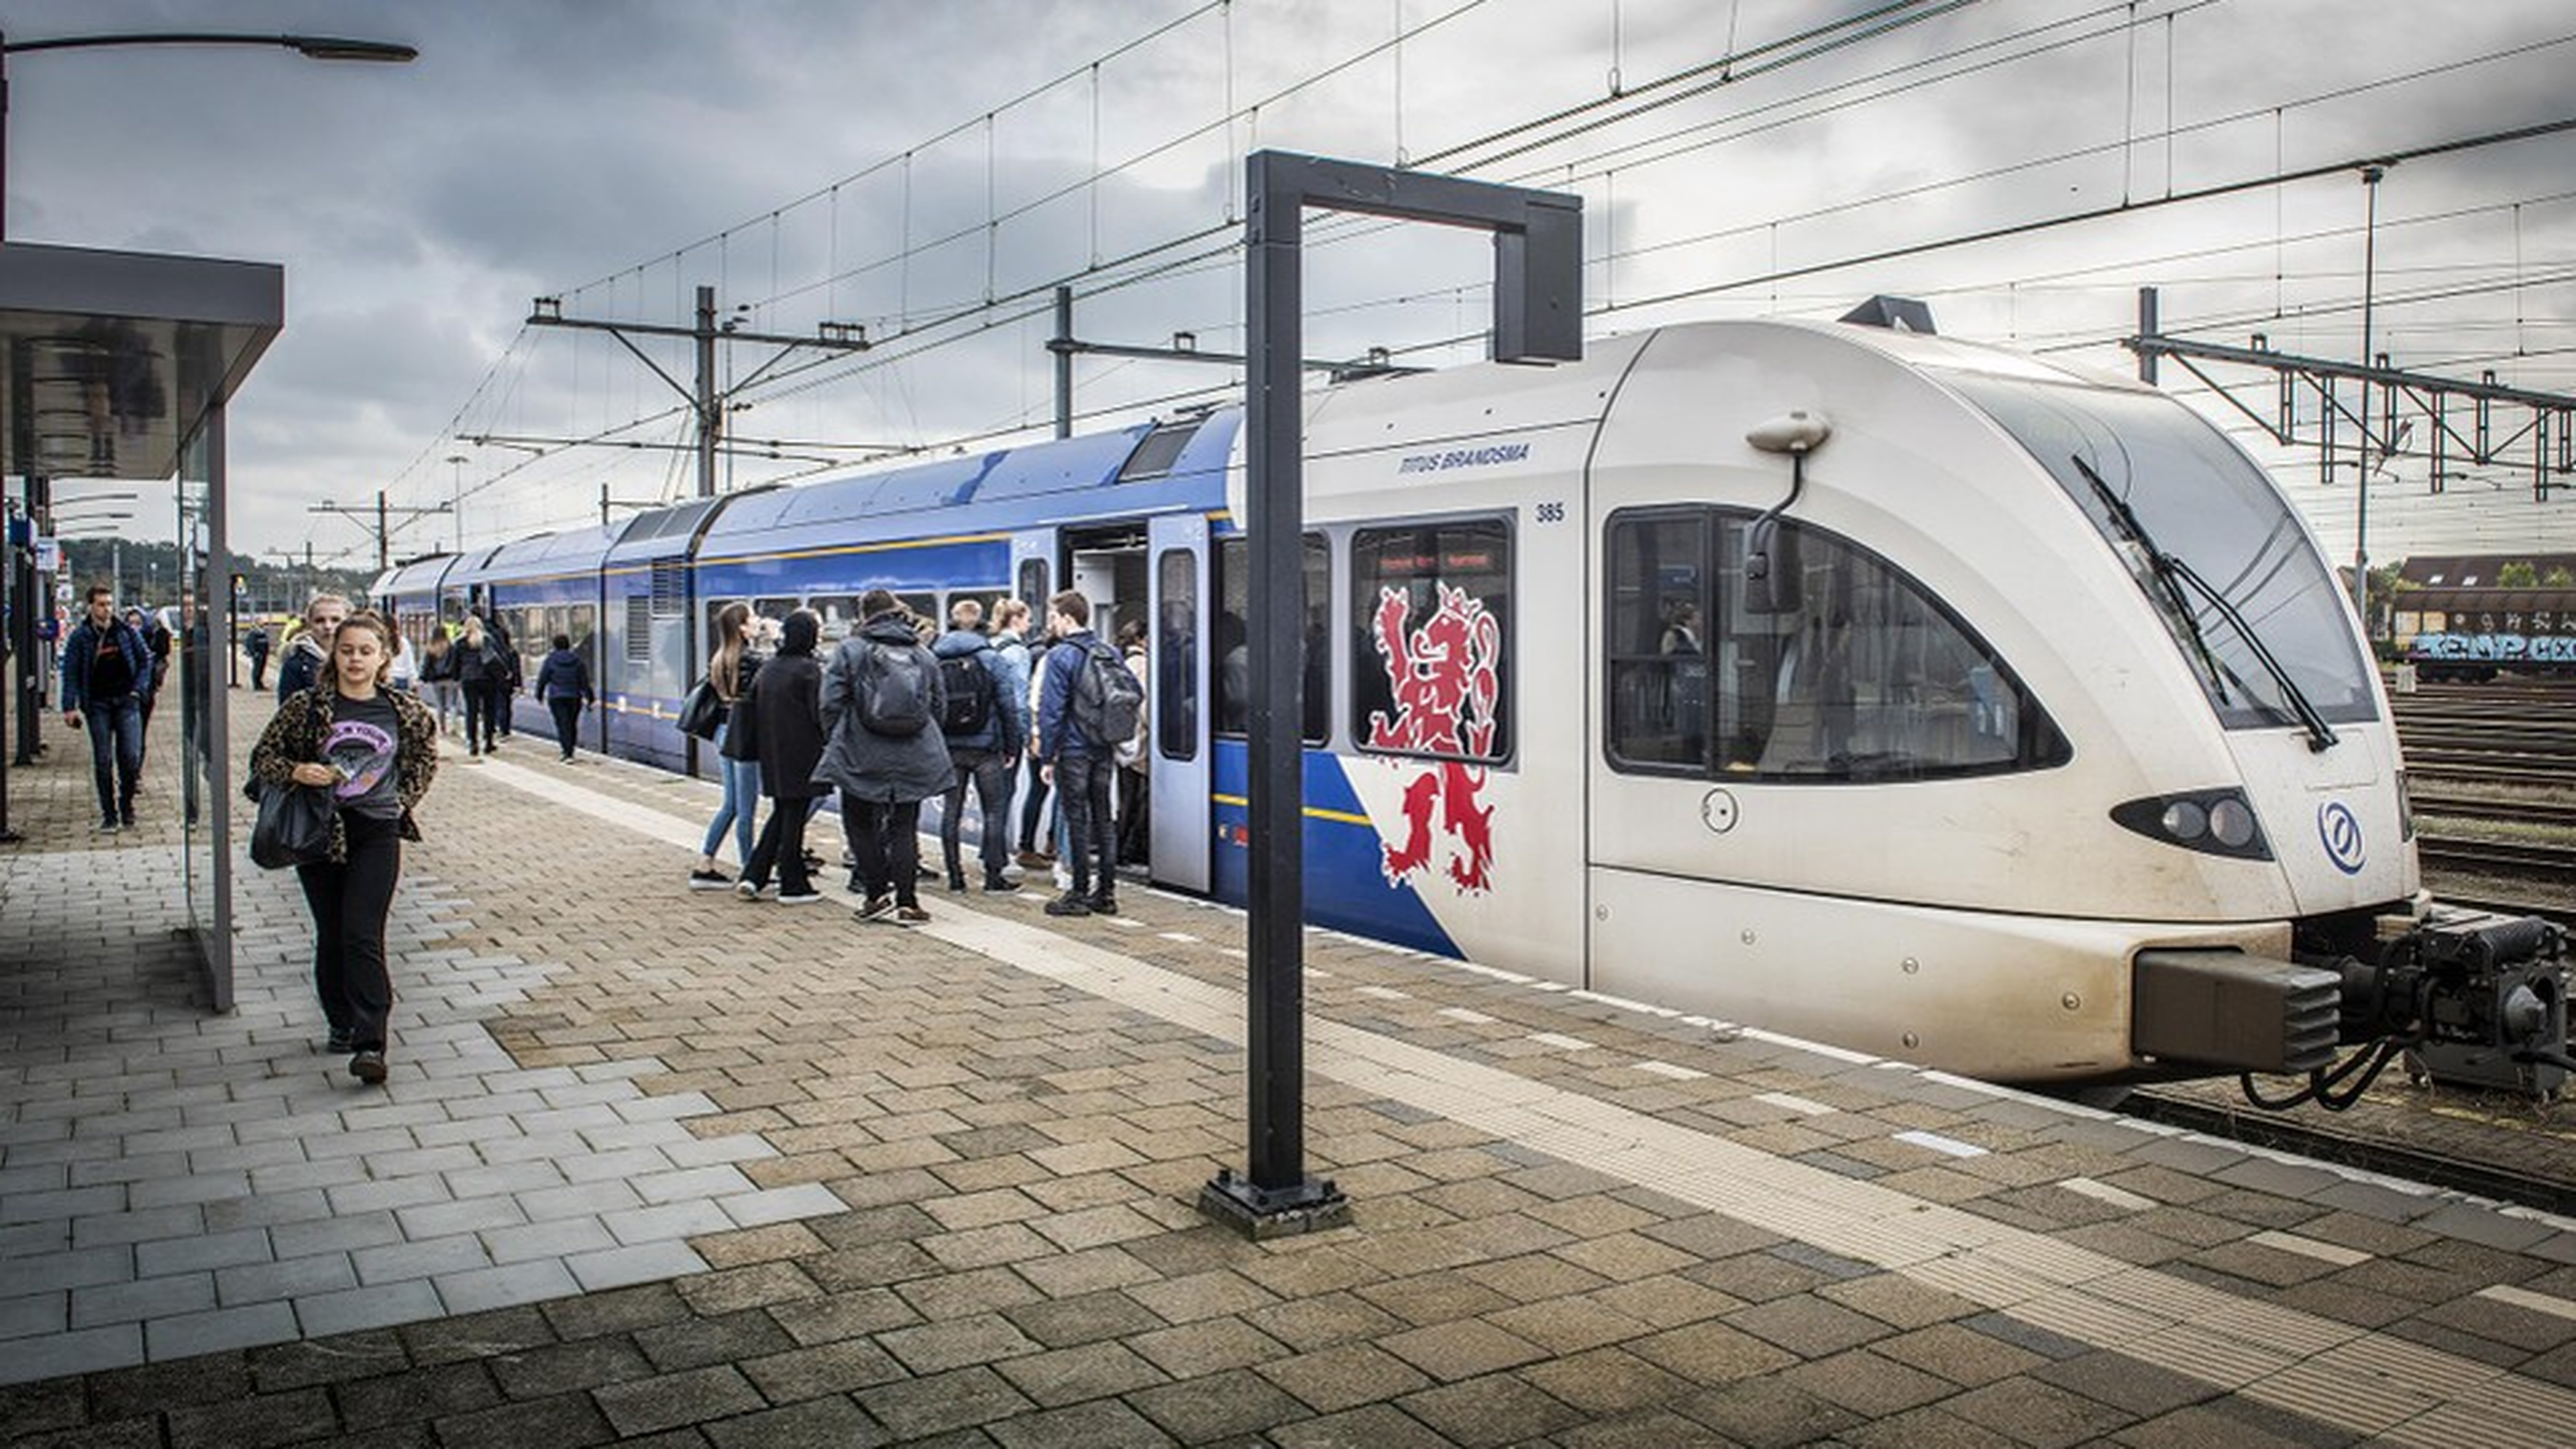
x: 1551, y: 513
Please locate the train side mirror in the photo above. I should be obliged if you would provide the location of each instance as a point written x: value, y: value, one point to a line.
x: 1772, y: 577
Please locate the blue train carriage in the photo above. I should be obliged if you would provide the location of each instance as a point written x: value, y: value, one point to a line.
x: 649, y: 651
x: 410, y: 593
x: 539, y: 587
x: 1024, y: 521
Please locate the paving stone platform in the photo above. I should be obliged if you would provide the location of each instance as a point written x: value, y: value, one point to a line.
x: 670, y: 1167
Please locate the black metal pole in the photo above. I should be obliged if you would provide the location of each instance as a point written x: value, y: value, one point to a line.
x: 1062, y: 347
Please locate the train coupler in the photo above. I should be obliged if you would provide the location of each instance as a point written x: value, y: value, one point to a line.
x: 2474, y: 999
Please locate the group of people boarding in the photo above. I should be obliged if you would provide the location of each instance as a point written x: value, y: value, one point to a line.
x: 902, y: 713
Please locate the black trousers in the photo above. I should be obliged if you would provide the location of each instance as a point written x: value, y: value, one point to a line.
x: 567, y: 710
x: 782, y: 847
x: 350, y: 901
x: 887, y: 840
x: 1135, y: 817
x: 482, y: 705
x: 1091, y: 831
x: 1033, y: 814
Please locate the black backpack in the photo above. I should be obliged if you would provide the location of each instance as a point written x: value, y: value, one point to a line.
x: 1107, y: 698
x: 968, y: 709
x: 894, y: 691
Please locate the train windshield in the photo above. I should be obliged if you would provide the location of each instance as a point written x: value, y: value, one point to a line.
x: 2175, y: 486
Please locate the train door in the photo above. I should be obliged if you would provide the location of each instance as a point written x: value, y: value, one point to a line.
x: 1179, y: 754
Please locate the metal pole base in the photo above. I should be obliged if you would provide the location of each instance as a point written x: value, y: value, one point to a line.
x: 1312, y: 1206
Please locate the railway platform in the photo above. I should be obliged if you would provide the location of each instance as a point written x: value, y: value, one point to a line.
x: 666, y: 1166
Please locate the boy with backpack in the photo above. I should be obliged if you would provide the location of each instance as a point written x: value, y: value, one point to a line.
x: 882, y: 700
x: 1088, y: 704
x: 983, y: 723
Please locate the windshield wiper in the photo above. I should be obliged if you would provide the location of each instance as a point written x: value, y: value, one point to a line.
x: 2172, y: 571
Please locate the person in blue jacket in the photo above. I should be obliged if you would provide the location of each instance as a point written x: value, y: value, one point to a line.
x: 1083, y: 767
x: 563, y: 682
x: 107, y: 674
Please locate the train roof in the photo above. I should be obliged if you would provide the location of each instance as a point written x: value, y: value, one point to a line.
x: 1162, y: 466
x: 666, y: 533
x: 2477, y: 570
x: 419, y: 576
x: 549, y: 555
x: 474, y: 566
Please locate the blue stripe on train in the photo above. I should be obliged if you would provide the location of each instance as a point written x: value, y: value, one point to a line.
x: 1346, y: 885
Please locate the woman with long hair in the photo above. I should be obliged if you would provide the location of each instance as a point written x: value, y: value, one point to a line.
x: 482, y: 671
x: 375, y: 749
x: 729, y: 674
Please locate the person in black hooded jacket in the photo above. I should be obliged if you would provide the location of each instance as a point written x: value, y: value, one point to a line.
x: 784, y: 713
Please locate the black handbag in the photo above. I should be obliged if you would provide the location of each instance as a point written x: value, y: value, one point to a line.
x: 294, y: 826
x: 702, y: 713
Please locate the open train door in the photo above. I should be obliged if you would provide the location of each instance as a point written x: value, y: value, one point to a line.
x: 1179, y: 754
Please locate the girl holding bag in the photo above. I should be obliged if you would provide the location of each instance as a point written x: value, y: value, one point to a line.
x: 375, y: 749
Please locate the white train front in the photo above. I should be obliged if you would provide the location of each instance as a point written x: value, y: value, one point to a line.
x: 2041, y: 744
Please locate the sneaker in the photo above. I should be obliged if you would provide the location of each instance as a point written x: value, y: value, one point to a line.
x: 125, y: 818
x: 1036, y: 859
x: 341, y: 1042
x: 708, y: 880
x: 567, y: 758
x: 999, y: 884
x: 107, y: 826
x: 911, y: 916
x: 368, y: 1067
x: 748, y: 890
x: 878, y: 908
x: 957, y: 880
x: 1104, y: 905
x: 799, y: 898
x: 1068, y: 904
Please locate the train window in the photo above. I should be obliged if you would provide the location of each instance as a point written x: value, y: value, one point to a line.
x: 1870, y: 678
x: 584, y: 621
x: 1431, y: 612
x: 775, y: 607
x: 920, y: 606
x: 1033, y: 589
x: 839, y: 614
x: 1230, y: 650
x: 1175, y: 687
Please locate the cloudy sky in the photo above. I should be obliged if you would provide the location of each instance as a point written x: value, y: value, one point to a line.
x: 901, y: 166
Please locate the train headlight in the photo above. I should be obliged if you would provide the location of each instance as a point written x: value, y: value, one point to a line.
x: 2218, y: 822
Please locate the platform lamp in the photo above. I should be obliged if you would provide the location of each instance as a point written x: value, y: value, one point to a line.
x: 312, y: 47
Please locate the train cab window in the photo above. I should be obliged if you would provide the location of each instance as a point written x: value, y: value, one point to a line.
x: 1859, y: 675
x: 1230, y: 647
x: 1175, y: 686
x: 1431, y: 616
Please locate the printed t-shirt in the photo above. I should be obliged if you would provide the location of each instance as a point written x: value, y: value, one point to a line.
x: 362, y: 741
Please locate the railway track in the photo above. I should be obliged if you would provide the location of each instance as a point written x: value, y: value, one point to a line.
x: 2512, y: 1154
x: 2518, y: 812
x: 2504, y: 859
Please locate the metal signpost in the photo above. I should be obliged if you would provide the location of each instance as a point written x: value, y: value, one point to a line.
x: 1538, y: 317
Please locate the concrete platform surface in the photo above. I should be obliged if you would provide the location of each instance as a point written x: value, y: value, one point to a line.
x: 668, y: 1166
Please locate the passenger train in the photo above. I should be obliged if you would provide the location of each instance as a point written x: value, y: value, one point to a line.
x: 1897, y: 692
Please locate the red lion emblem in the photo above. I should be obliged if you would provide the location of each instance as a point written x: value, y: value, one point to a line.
x: 1446, y: 680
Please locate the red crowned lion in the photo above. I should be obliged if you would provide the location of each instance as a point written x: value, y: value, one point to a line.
x: 1446, y: 680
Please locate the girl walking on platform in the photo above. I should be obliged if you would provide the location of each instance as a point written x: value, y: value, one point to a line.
x: 729, y: 674
x: 375, y: 749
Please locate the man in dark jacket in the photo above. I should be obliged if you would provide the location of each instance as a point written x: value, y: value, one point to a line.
x: 563, y: 682
x: 881, y: 705
x: 255, y: 644
x: 782, y: 715
x: 302, y: 667
x: 107, y: 671
x: 1083, y: 767
x: 985, y: 753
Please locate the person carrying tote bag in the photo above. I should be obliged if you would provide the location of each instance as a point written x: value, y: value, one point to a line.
x: 375, y: 750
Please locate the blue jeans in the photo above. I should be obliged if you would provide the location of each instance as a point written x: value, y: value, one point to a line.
x: 741, y: 803
x: 115, y: 752
x: 992, y: 775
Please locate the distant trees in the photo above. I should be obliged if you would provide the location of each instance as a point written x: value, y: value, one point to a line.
x: 2519, y: 574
